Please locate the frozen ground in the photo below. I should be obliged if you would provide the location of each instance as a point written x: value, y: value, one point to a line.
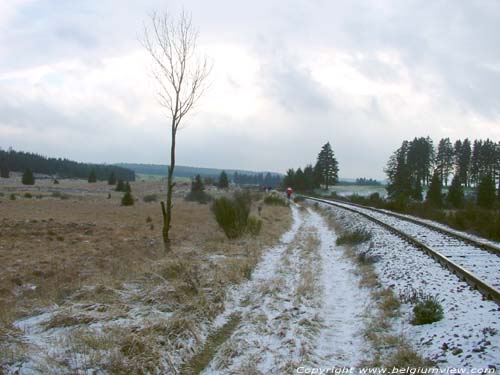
x: 469, y: 334
x: 481, y: 263
x: 302, y: 307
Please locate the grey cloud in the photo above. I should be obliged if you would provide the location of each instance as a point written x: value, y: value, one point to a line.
x: 295, y: 89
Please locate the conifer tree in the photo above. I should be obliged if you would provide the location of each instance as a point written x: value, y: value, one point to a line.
x: 112, y: 179
x: 434, y: 196
x: 462, y: 160
x: 444, y: 159
x: 456, y: 192
x: 417, y: 191
x: 197, y: 185
x: 127, y: 187
x: 223, y: 180
x: 127, y: 199
x: 28, y: 177
x: 399, y: 174
x: 4, y: 171
x: 92, y: 176
x: 120, y: 186
x: 486, y: 192
x: 327, y: 166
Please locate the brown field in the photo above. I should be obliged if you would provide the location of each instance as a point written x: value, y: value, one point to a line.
x: 71, y: 250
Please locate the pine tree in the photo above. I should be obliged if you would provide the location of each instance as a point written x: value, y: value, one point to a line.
x: 327, y: 166
x: 420, y: 159
x: 92, y: 176
x: 127, y: 187
x: 289, y: 180
x: 197, y: 185
x: 417, y: 191
x: 4, y: 171
x: 112, y: 179
x: 28, y: 177
x: 463, y: 160
x: 120, y: 186
x: 127, y: 199
x: 434, y: 196
x: 444, y: 159
x: 486, y: 192
x: 223, y: 180
x: 399, y: 174
x: 456, y: 192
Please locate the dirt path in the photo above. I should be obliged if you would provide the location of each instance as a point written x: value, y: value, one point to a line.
x: 302, y: 307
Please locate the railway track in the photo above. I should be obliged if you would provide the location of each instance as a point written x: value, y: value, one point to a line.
x: 476, y: 262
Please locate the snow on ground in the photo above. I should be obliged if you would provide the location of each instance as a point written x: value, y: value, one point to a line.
x: 469, y: 334
x: 483, y: 264
x: 302, y: 307
x: 449, y: 229
x: 48, y: 349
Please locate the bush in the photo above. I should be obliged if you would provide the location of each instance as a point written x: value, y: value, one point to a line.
x: 92, y: 176
x: 231, y: 215
x: 56, y: 181
x: 427, y: 310
x: 254, y: 226
x: 150, y: 198
x: 198, y: 196
x: 354, y: 237
x: 299, y: 199
x: 127, y: 199
x: 12, y: 197
x: 486, y: 192
x: 197, y: 193
x: 28, y: 177
x: 28, y: 195
x: 274, y: 199
x: 58, y: 194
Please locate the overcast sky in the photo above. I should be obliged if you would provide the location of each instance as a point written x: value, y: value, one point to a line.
x: 287, y: 77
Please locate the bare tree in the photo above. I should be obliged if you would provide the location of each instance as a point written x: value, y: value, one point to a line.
x: 181, y: 76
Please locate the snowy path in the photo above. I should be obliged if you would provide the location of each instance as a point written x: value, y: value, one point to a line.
x: 302, y: 307
x: 468, y: 335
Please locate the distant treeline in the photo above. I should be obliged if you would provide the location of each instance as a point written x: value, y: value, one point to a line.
x: 237, y: 176
x: 415, y: 162
x: 261, y: 179
x: 19, y: 161
x: 361, y: 182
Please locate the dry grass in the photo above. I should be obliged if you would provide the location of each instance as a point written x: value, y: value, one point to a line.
x: 389, y: 350
x: 91, y: 253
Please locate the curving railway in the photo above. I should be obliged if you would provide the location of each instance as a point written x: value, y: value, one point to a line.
x: 475, y: 261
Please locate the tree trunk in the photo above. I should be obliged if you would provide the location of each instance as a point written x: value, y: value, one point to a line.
x: 167, y: 209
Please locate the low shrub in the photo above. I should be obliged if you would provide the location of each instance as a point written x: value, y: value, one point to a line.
x: 198, y: 196
x: 274, y: 199
x: 28, y: 195
x: 299, y: 199
x: 58, y: 194
x: 12, y: 197
x: 231, y: 215
x: 254, y: 226
x: 150, y: 198
x: 427, y: 310
x: 354, y: 237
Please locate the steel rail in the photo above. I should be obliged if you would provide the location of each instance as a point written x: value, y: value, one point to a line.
x: 483, y: 245
x: 484, y: 288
